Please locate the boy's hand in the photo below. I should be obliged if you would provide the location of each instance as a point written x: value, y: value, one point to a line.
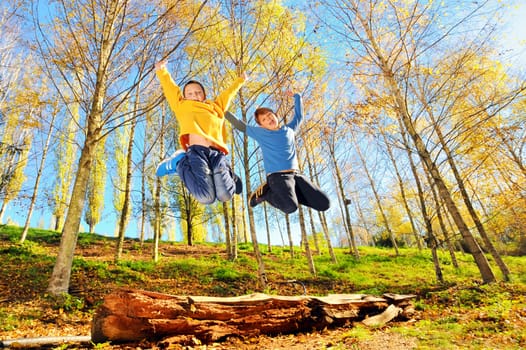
x: 289, y: 93
x: 160, y: 65
x: 245, y: 76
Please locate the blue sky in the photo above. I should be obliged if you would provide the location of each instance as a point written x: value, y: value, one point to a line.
x: 514, y: 37
x: 513, y: 43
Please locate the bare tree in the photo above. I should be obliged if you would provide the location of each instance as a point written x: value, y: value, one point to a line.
x: 376, y: 194
x: 402, y: 186
x: 331, y: 138
x: 394, y: 60
x: 45, y: 150
x: 13, y: 57
x: 104, y: 44
x: 306, y: 244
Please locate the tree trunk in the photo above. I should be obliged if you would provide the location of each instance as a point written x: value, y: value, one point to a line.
x: 2, y: 211
x: 321, y: 215
x: 423, y: 206
x: 157, y: 218
x: 365, y: 225
x: 305, y: 239
x: 348, y: 227
x: 58, y: 219
x: 233, y: 243
x: 45, y: 150
x: 443, y: 227
x: 228, y: 230
x: 377, y: 197
x: 143, y: 191
x: 402, y: 192
x: 59, y: 281
x: 252, y: 226
x: 230, y: 220
x: 431, y: 239
x: 289, y: 235
x: 313, y: 230
x: 467, y: 201
x: 189, y: 223
x: 311, y: 217
x: 327, y: 235
x: 267, y: 229
x: 436, y: 261
x: 265, y: 210
x: 125, y: 213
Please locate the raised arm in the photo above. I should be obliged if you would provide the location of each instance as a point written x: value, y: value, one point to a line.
x: 298, y: 112
x: 236, y: 123
x: 224, y: 98
x: 170, y: 89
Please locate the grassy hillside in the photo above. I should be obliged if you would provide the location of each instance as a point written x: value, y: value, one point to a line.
x: 460, y: 314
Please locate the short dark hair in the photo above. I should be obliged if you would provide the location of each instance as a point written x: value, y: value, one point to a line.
x: 261, y: 110
x: 194, y: 82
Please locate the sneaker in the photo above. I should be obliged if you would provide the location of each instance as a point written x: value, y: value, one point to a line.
x: 169, y: 165
x: 258, y: 195
x: 239, y: 184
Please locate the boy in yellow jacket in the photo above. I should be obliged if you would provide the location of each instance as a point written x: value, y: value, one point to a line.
x: 202, y: 163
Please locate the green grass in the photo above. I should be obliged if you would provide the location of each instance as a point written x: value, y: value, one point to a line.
x: 461, y: 313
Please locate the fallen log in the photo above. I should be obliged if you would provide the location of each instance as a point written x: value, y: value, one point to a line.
x: 129, y: 315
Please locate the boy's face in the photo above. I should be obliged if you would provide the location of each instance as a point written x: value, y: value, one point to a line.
x: 268, y: 120
x: 194, y: 92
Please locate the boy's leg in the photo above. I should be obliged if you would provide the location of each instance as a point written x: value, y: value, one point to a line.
x: 238, y: 183
x: 194, y: 170
x: 310, y: 195
x: 169, y: 165
x: 282, y: 193
x: 224, y: 178
x: 259, y: 195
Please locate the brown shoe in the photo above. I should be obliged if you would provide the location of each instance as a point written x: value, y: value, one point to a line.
x: 258, y: 195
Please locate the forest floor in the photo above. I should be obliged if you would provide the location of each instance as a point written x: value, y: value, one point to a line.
x: 33, y: 314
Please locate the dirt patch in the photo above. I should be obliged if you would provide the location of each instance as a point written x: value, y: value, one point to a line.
x: 329, y: 339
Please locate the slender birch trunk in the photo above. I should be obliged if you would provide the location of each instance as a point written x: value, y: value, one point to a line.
x: 45, y: 150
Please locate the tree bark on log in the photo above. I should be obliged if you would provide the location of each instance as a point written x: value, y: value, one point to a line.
x: 128, y: 315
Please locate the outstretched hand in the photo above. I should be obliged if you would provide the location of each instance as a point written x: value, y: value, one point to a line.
x: 161, y: 65
x: 289, y: 93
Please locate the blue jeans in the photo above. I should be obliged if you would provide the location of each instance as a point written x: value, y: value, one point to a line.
x: 206, y: 174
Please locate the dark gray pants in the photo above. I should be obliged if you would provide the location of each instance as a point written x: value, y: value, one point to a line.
x: 288, y: 190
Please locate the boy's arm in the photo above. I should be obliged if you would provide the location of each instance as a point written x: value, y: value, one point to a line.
x: 298, y: 113
x: 236, y: 123
x: 224, y: 99
x: 170, y: 88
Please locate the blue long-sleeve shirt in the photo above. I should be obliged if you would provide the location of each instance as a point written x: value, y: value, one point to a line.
x: 278, y: 147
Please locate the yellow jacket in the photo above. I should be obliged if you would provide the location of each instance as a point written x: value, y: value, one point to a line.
x: 201, y: 118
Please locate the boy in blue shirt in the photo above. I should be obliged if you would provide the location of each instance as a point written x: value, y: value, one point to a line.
x: 285, y: 188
